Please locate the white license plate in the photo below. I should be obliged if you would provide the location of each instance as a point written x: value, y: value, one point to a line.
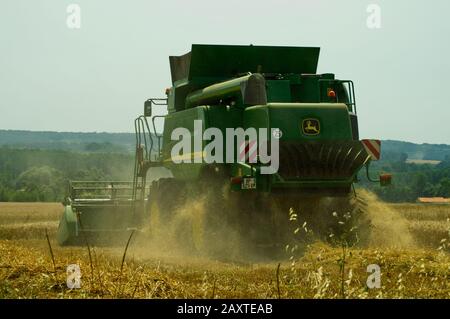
x: 248, y: 183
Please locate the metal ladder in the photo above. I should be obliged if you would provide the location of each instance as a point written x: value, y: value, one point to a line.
x: 147, y: 141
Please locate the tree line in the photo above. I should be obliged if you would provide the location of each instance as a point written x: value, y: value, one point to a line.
x: 43, y: 175
x: 410, y: 180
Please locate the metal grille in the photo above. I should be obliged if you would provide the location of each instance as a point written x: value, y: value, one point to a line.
x: 329, y: 160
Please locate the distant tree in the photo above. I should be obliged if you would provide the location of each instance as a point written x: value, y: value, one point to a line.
x: 93, y: 147
x: 444, y: 187
x: 25, y: 196
x: 4, y: 194
x: 418, y: 183
x: 105, y: 147
x: 393, y: 156
x: 45, y: 183
x: 93, y: 174
x: 430, y: 190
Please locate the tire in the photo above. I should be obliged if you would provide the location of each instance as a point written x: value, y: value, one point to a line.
x: 349, y: 223
x: 165, y: 197
x: 211, y: 233
x: 335, y: 220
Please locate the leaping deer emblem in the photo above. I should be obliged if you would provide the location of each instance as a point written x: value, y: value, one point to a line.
x: 311, y: 127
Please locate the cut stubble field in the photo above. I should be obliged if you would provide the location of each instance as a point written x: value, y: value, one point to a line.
x: 417, y: 266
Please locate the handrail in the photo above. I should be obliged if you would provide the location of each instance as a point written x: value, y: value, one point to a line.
x: 112, y: 190
x: 159, y: 136
x: 351, y: 92
x: 145, y: 134
x: 157, y: 102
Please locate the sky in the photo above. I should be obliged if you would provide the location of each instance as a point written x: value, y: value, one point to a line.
x: 95, y: 78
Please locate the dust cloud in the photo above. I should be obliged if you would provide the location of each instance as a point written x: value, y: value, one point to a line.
x: 389, y: 228
x: 188, y: 232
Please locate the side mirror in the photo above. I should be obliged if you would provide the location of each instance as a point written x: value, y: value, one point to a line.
x: 385, y: 179
x: 148, y: 108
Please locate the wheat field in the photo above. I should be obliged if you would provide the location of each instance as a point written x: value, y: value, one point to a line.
x: 418, y: 267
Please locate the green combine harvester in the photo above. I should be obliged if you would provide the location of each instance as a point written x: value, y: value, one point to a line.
x: 274, y: 90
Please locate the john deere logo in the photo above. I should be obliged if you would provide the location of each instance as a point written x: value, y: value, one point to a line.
x: 311, y: 127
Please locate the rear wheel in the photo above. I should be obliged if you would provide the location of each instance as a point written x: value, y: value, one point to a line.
x: 336, y: 220
x: 191, y: 214
x: 350, y: 223
x: 210, y: 210
x: 164, y: 199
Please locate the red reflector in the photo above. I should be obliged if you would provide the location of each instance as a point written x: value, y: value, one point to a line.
x: 331, y: 93
x: 236, y: 180
x: 385, y: 179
